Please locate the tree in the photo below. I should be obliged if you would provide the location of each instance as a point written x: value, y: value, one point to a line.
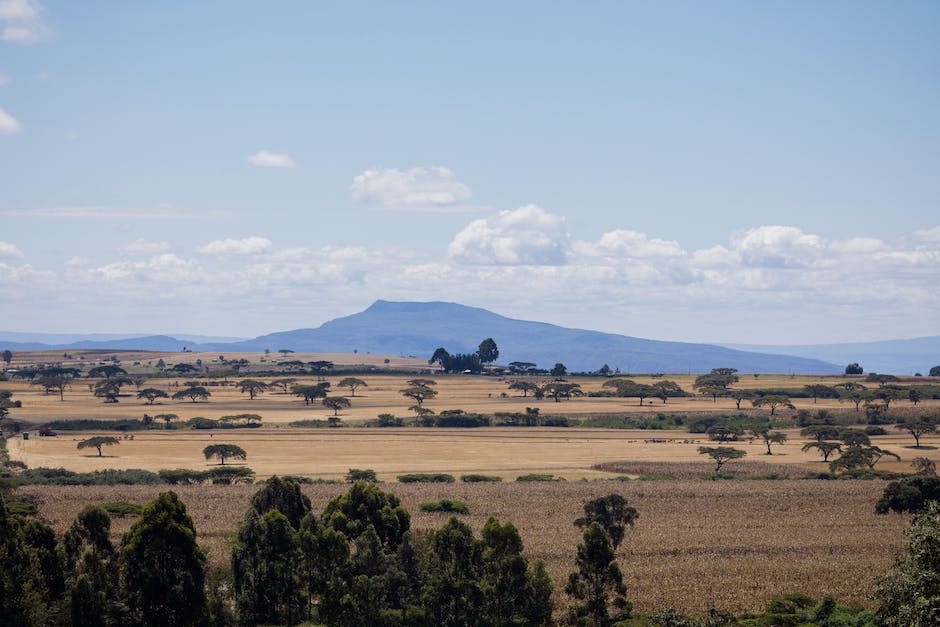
x: 917, y: 428
x: 908, y: 592
x: 666, y: 389
x: 524, y: 386
x: 440, y: 356
x: 106, y: 371
x: 193, y: 393
x: 152, y: 394
x: 162, y: 566
x: 612, y: 513
x: 773, y: 401
x: 740, y: 395
x: 285, y: 351
x: 183, y: 369
x: 23, y: 589
x: 915, y: 396
x: 8, y: 357
x: 558, y: 370
x: 352, y: 383
x: 252, y: 387
x: 166, y: 418
x: 924, y: 466
x: 934, y: 371
x: 224, y: 451
x: 90, y: 566
x: 521, y: 367
x: 487, y: 351
x: 857, y: 456
x: 558, y: 390
x: 769, y: 437
x: 364, y: 505
x: 817, y: 390
x: 855, y: 395
x: 109, y: 389
x: 97, y: 442
x: 418, y: 392
x: 825, y: 448
x: 910, y: 494
x: 336, y: 403
x: 597, y: 578
x: 854, y: 368
x: 311, y: 392
x: 820, y: 432
x: 54, y: 383
x: 716, y: 382
x: 886, y: 395
x: 629, y: 388
x: 721, y: 454
x: 881, y: 379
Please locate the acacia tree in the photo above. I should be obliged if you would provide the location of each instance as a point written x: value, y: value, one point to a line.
x: 97, y: 442
x: 166, y: 418
x: 284, y: 384
x: 773, y: 401
x: 54, y: 383
x: 152, y: 394
x: 252, y: 387
x: 769, y: 437
x: 162, y: 566
x: 310, y: 392
x: 336, y: 403
x: 562, y: 390
x: 193, y: 393
x: 524, y: 386
x: 109, y: 389
x: 818, y: 389
x: 820, y: 432
x: 612, y: 513
x: 224, y: 451
x: 352, y: 383
x: 597, y: 579
x: 721, y: 454
x: 858, y: 456
x: 825, y: 448
x: 917, y: 428
x: 418, y: 392
x: 106, y: 371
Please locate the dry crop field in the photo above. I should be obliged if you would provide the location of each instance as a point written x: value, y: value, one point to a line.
x: 697, y: 544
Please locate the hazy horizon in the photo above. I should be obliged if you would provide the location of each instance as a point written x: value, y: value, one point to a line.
x: 719, y: 173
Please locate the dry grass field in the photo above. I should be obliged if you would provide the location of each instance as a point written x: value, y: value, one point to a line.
x: 729, y: 544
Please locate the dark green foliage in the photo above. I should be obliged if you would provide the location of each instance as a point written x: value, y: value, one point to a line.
x: 92, y: 569
x: 910, y: 494
x: 162, y: 567
x: 446, y: 505
x: 284, y: 496
x: 23, y: 591
x: 539, y: 477
x: 363, y: 505
x: 96, y: 425
x: 854, y: 368
x: 597, y: 579
x: 224, y: 451
x: 121, y: 508
x: 910, y: 592
x: 61, y: 476
x: 198, y: 422
x: 426, y: 478
x: 612, y: 513
x: 458, y: 418
x: 355, y: 474
x: 472, y: 478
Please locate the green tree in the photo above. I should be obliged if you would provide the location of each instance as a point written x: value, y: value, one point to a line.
x: 106, y: 371
x: 97, y: 442
x: 336, y: 403
x: 523, y: 386
x: 252, y: 387
x: 820, y: 432
x: 934, y: 371
x: 366, y: 504
x: 224, y: 451
x: 162, y: 566
x: 612, y: 513
x: 487, y: 351
x: 773, y: 401
x: 909, y: 591
x: 721, y: 454
x: 562, y: 390
x: 854, y: 368
x: 628, y: 388
x: 8, y: 357
x: 152, y: 394
x: 311, y: 392
x: 23, y: 592
x: 418, y: 392
x: 769, y: 437
x: 109, y: 389
x: 90, y: 563
x: 825, y: 448
x: 856, y: 395
x: 352, y: 383
x: 193, y: 393
x: 558, y: 370
x: 166, y: 418
x: 716, y: 382
x: 284, y: 384
x: 917, y: 428
x: 910, y: 494
x: 54, y: 383
x: 817, y: 390
x: 183, y: 369
x: 666, y: 389
x: 597, y: 579
x: 858, y: 456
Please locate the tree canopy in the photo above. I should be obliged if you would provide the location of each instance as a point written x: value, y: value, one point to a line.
x: 224, y: 451
x: 97, y: 442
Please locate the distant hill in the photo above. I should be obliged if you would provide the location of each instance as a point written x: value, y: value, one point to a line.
x: 412, y: 328
x: 901, y: 357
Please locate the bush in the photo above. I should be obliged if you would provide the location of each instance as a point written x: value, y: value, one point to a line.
x: 538, y: 477
x: 202, y: 423
x: 389, y: 420
x: 446, y: 505
x: 309, y: 424
x: 875, y: 431
x: 426, y: 478
x: 480, y: 478
x: 96, y: 425
x: 460, y: 419
x: 121, y: 508
x: 909, y: 494
x: 22, y: 508
x: 61, y: 476
x: 355, y: 474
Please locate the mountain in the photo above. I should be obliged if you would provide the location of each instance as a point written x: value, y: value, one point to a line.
x: 70, y: 339
x: 902, y: 357
x: 413, y: 328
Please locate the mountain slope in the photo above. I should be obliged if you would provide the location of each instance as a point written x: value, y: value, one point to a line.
x: 417, y: 329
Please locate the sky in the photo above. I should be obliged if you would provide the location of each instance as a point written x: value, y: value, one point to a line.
x: 752, y: 172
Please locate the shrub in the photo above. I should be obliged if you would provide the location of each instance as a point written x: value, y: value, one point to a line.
x: 389, y: 420
x: 480, y: 478
x: 355, y: 474
x: 121, y: 508
x: 875, y: 431
x: 446, y: 505
x: 88, y: 424
x: 199, y: 422
x: 909, y: 494
x: 538, y: 477
x: 426, y: 478
x: 313, y: 423
x: 460, y: 419
x: 61, y: 476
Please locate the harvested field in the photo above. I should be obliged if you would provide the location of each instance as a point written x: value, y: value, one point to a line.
x: 731, y: 545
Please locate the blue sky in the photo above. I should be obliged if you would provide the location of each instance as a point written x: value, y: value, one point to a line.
x: 726, y: 171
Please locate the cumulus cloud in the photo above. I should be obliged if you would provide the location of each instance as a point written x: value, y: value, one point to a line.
x: 418, y: 189
x: 268, y: 159
x: 9, y: 125
x: 9, y: 251
x: 141, y: 246
x: 245, y: 246
x: 528, y: 235
x: 21, y: 22
x: 77, y: 262
x: 625, y: 243
x: 777, y: 246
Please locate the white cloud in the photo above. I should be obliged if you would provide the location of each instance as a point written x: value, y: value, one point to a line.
x: 859, y: 245
x: 9, y: 124
x: 928, y: 235
x: 528, y: 235
x: 21, y: 22
x: 418, y: 189
x: 8, y: 250
x: 777, y: 246
x: 77, y: 262
x: 625, y: 243
x: 267, y: 159
x: 142, y: 246
x: 246, y: 246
